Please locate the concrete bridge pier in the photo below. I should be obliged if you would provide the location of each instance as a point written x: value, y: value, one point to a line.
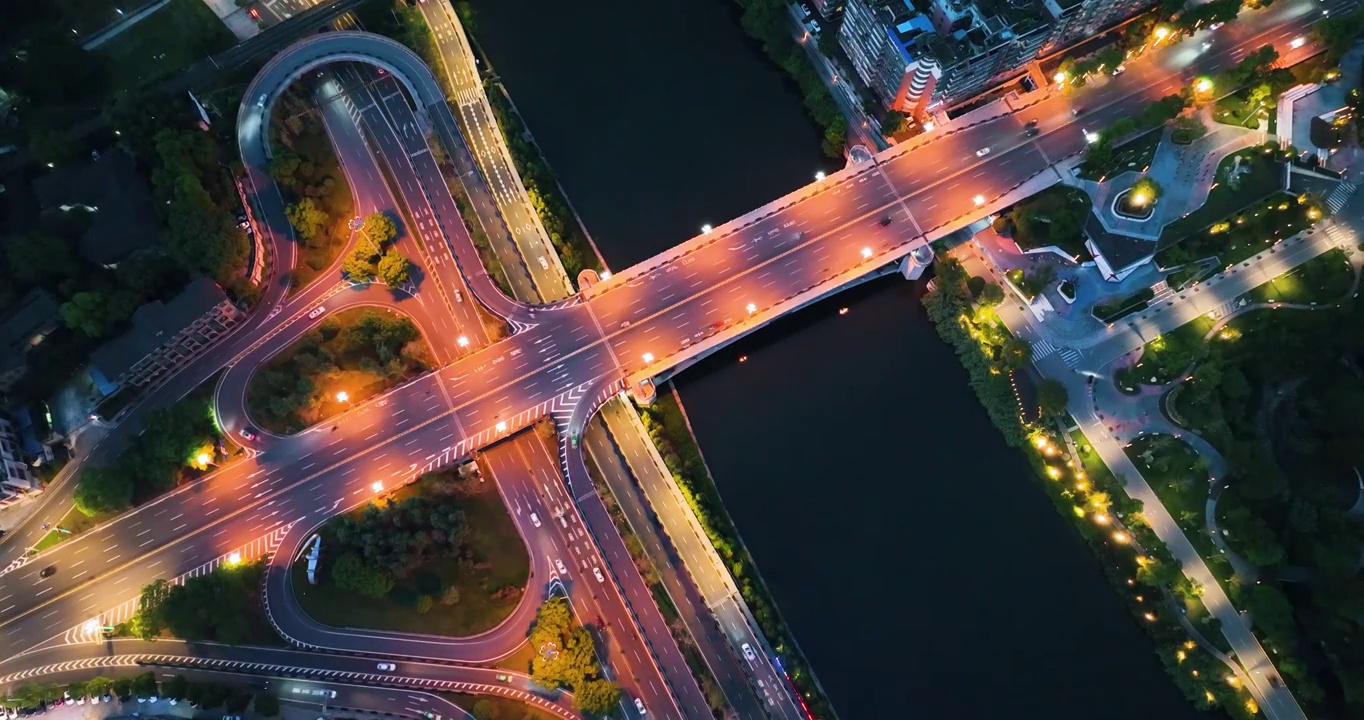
x: 912, y: 266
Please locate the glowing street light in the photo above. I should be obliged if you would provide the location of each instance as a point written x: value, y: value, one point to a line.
x: 707, y: 229
x: 91, y: 626
x: 929, y: 125
x: 204, y: 459
x: 234, y: 557
x: 866, y: 253
x: 501, y: 426
x: 1059, y: 77
x: 1120, y: 537
x: 1091, y: 137
x: 648, y: 357
x: 343, y: 396
x: 752, y: 308
x: 1297, y: 43
x: 606, y: 274
x: 377, y: 486
x: 1203, y: 85
x: 1162, y: 32
x: 1139, y: 199
x: 462, y: 341
x: 978, y: 200
x: 819, y: 176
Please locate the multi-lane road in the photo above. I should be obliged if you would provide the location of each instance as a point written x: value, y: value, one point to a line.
x: 563, y: 360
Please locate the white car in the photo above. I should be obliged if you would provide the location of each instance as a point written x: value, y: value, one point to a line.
x: 544, y: 263
x: 639, y: 705
x: 459, y: 297
x: 815, y: 29
x: 597, y: 572
x: 153, y: 699
x: 748, y: 652
x: 983, y: 152
x: 316, y: 312
x: 94, y: 699
x: 173, y: 701
x: 535, y: 520
x: 388, y: 666
x: 560, y: 565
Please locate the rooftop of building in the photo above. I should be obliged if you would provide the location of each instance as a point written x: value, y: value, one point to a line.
x: 123, y: 218
x: 38, y: 313
x: 993, y: 23
x: 154, y: 323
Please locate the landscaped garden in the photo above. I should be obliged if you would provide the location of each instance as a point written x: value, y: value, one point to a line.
x: 1167, y: 356
x: 1054, y: 217
x: 1134, y: 155
x: 354, y: 355
x: 440, y: 556
x: 1241, y: 203
x: 1114, y: 310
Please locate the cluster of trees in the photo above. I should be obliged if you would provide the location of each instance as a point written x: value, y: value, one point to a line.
x: 986, y: 351
x: 199, y: 204
x: 1100, y: 154
x: 155, y: 460
x: 389, y: 541
x: 555, y: 214
x: 223, y: 606
x: 288, y: 393
x: 1280, y: 404
x: 769, y: 22
x: 1053, y: 217
x: 373, y: 254
x: 1338, y: 33
x: 318, y: 201
x: 1104, y: 60
x: 566, y: 657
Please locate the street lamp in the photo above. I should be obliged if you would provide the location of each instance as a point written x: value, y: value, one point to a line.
x: 606, y: 274
x: 819, y: 176
x: 752, y: 308
x: 91, y: 626
x: 1091, y: 137
x: 1162, y: 33
x: 343, y: 396
x: 204, y: 459
x: 501, y: 426
x: 928, y: 126
x: 707, y: 229
x: 1139, y: 199
x: 1203, y: 85
x: 377, y: 486
x: 866, y: 253
x: 234, y: 557
x: 1059, y: 77
x: 462, y: 341
x: 978, y: 200
x: 648, y: 357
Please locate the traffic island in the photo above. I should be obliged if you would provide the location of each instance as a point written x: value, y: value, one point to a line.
x: 353, y: 356
x: 440, y: 556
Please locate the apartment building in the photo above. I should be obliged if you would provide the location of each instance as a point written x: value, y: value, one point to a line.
x: 921, y: 56
x: 1075, y: 20
x: 164, y: 336
x: 16, y: 480
x: 37, y: 315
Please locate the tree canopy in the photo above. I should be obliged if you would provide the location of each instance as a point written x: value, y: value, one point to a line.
x: 565, y: 656
x: 394, y: 269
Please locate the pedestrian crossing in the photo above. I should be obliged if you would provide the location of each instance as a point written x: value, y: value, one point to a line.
x: 1342, y: 236
x: 1341, y: 195
x: 1226, y: 308
x: 1044, y: 349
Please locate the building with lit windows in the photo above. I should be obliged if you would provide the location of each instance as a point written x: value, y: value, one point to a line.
x: 1075, y: 20
x: 15, y: 478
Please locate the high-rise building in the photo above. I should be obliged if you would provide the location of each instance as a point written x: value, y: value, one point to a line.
x: 920, y: 56
x: 1075, y: 20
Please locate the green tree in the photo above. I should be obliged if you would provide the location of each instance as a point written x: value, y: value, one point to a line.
x: 394, y: 269
x: 1148, y: 188
x: 424, y: 604
x: 102, y: 490
x: 597, y: 697
x: 835, y: 137
x: 176, y: 687
x: 1015, y: 353
x: 39, y: 258
x: 88, y: 312
x: 892, y: 122
x: 350, y: 572
x: 449, y: 596
x: 991, y: 295
x: 149, y: 621
x: 1052, y: 397
x: 99, y: 685
x: 379, y: 228
x: 306, y: 217
x: 358, y: 265
x: 483, y: 710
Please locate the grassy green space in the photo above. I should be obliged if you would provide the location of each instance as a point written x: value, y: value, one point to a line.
x: 361, y: 351
x: 165, y: 42
x: 1053, y: 217
x: 1135, y: 155
x: 1167, y: 356
x: 1231, y: 205
x: 1114, y: 310
x: 1323, y: 279
x: 493, y: 557
x: 74, y: 522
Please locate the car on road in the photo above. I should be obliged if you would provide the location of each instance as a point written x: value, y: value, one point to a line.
x: 535, y: 520
x: 317, y: 311
x: 1031, y: 132
x: 596, y: 571
x: 544, y: 263
x: 560, y: 565
x: 804, y: 11
x: 260, y: 101
x: 459, y: 296
x: 1119, y: 70
x: 815, y: 28
x: 247, y: 433
x: 885, y: 221
x: 503, y: 678
x: 49, y: 571
x: 748, y: 652
x: 390, y: 667
x: 639, y: 705
x: 983, y: 152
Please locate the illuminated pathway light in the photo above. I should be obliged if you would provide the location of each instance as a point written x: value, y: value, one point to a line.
x: 501, y: 426
x: 91, y: 625
x: 203, y: 458
x: 819, y: 175
x: 606, y: 274
x: 343, y: 396
x: 1059, y: 78
x: 978, y: 200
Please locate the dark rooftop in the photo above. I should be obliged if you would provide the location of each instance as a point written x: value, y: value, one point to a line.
x: 1119, y: 250
x: 124, y: 218
x: 153, y: 324
x: 37, y: 314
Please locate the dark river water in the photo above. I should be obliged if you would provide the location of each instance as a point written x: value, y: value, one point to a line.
x: 920, y: 567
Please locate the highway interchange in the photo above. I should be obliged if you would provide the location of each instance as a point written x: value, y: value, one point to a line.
x: 561, y: 363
